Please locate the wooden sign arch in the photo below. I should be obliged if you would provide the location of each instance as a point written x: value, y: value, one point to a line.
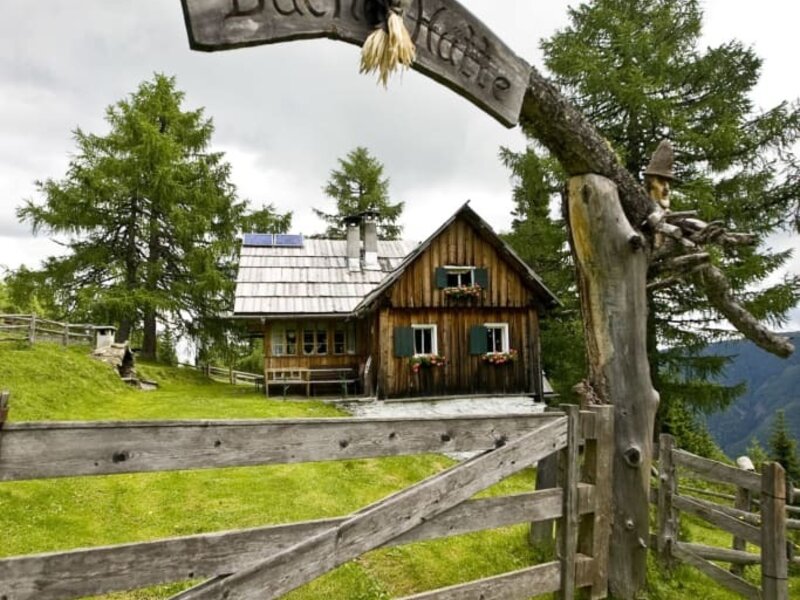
x: 453, y: 46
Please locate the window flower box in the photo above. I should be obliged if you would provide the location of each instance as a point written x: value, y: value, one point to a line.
x: 500, y: 358
x: 463, y: 292
x: 426, y: 361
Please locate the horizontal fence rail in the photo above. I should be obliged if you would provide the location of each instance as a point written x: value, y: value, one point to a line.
x: 30, y: 328
x: 102, y: 448
x: 100, y: 570
x: 271, y: 560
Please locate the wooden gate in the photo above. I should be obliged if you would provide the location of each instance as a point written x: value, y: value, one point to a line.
x: 758, y: 516
x: 267, y: 562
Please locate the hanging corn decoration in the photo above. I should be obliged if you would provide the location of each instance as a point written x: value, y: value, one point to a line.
x: 390, y: 45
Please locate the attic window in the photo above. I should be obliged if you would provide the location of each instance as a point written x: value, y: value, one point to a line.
x: 458, y: 276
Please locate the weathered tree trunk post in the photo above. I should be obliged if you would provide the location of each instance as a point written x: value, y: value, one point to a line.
x: 612, y: 279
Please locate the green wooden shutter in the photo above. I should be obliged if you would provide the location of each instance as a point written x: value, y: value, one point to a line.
x: 482, y: 277
x: 403, y: 341
x: 477, y: 339
x: 441, y: 277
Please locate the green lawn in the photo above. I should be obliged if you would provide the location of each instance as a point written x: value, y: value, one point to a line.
x: 49, y: 382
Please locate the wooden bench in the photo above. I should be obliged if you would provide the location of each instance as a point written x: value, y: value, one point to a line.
x: 287, y: 377
x: 334, y: 376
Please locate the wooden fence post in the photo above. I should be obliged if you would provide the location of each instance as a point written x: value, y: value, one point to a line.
x: 32, y: 330
x: 66, y: 334
x: 571, y: 518
x: 4, y: 396
x: 667, y: 488
x: 541, y: 534
x: 744, y: 501
x: 595, y: 531
x: 774, y: 562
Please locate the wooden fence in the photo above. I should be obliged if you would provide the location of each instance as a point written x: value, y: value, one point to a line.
x: 30, y: 328
x: 267, y: 562
x: 763, y: 522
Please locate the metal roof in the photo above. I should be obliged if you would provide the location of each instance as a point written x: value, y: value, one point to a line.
x: 313, y: 279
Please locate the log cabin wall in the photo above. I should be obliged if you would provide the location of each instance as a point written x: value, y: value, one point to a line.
x: 416, y: 299
x: 465, y: 373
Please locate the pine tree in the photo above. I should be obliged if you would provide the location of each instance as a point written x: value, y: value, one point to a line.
x: 540, y: 241
x: 634, y: 67
x: 783, y: 447
x: 755, y: 451
x: 149, y: 216
x: 357, y: 186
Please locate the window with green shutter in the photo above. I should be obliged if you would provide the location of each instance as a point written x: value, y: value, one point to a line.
x: 403, y: 341
x: 478, y: 335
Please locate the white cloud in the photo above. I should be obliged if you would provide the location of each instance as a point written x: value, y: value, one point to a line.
x: 285, y: 113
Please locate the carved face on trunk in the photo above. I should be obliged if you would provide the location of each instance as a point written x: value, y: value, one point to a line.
x: 658, y: 189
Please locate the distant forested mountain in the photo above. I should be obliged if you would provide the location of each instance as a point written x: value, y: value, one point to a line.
x: 772, y: 384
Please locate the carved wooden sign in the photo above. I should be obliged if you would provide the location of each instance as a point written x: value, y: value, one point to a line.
x: 453, y: 46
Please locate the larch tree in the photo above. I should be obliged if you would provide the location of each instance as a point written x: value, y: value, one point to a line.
x: 635, y: 69
x: 148, y: 216
x: 358, y: 186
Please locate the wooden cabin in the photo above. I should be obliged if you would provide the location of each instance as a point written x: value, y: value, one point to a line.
x: 457, y: 314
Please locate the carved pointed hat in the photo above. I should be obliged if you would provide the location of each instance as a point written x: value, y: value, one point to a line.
x: 661, y: 162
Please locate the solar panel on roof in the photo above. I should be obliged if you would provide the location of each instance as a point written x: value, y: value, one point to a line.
x: 289, y: 240
x: 258, y: 239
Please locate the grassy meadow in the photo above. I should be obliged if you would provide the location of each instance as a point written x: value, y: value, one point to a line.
x: 49, y: 382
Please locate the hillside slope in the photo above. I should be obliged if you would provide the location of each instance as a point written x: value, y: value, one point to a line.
x: 50, y: 382
x: 773, y: 384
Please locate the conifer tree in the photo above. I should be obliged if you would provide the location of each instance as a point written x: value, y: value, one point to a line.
x: 149, y: 217
x: 357, y: 186
x: 783, y: 447
x: 539, y: 240
x: 636, y: 69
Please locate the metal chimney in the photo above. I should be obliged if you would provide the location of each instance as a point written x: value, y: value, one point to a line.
x: 370, y: 224
x: 353, y: 242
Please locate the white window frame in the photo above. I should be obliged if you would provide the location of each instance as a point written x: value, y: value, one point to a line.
x: 434, y: 335
x: 505, y: 342
x: 278, y: 342
x: 348, y: 330
x: 460, y: 270
x: 315, y: 327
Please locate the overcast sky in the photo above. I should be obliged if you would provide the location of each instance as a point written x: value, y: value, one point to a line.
x: 285, y: 113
